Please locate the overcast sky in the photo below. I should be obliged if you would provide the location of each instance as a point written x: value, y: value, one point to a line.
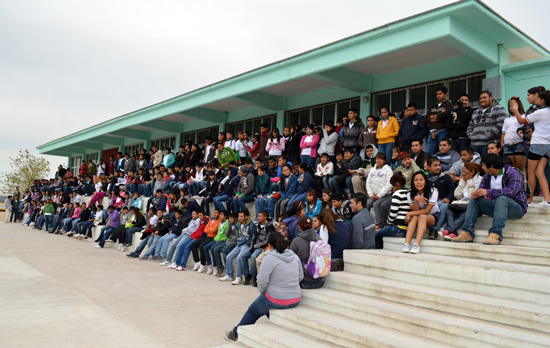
x: 66, y: 65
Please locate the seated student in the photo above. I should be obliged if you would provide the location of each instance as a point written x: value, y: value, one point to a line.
x: 304, y: 184
x: 445, y: 188
x: 272, y: 168
x: 323, y: 223
x: 156, y: 219
x: 85, y: 224
x: 188, y: 225
x: 278, y: 283
x: 81, y: 213
x: 262, y: 189
x: 424, y: 212
x: 359, y: 179
x: 341, y: 207
x: 466, y: 155
x: 209, y: 192
x: 420, y: 156
x: 137, y: 225
x: 500, y: 195
x: 446, y: 156
x: 246, y: 229
x: 295, y: 212
x: 161, y: 229
x: 324, y: 171
x: 210, y: 231
x: 396, y: 159
x: 112, y: 223
x: 228, y: 191
x: 456, y: 213
x: 257, y: 246
x: 174, y: 231
x: 219, y: 240
x: 138, y: 201
x: 198, y: 181
x: 184, y: 247
x: 363, y: 224
x: 326, y: 199
x: 119, y: 234
x: 301, y: 247
x: 339, y: 240
x: 220, y: 252
x: 396, y: 226
x: 313, y: 204
x: 350, y: 165
x: 286, y: 187
x: 379, y: 189
x: 408, y: 168
x: 245, y: 190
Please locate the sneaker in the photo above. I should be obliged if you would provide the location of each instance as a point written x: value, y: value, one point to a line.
x: 225, y: 278
x: 210, y: 270
x: 164, y: 263
x: 173, y: 265
x: 247, y: 280
x: 196, y: 267
x: 70, y: 234
x: 432, y: 233
x: 230, y: 336
x: 143, y: 258
x: 179, y: 268
x: 123, y: 248
x: 254, y: 282
x: 443, y: 234
x: 97, y: 246
x: 406, y: 248
x: 449, y: 237
x: 96, y: 241
x: 215, y: 272
x: 202, y: 269
x: 543, y: 204
x: 237, y: 281
x: 493, y: 239
x: 415, y: 249
x: 463, y: 237
x: 119, y: 247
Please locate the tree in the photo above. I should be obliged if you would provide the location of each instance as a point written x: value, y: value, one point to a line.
x: 25, y: 168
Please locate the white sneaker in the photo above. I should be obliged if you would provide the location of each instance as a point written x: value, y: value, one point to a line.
x: 210, y: 270
x: 225, y: 278
x: 202, y: 269
x: 173, y: 265
x: 179, y: 268
x: 415, y: 249
x: 237, y: 281
x: 543, y: 204
x: 119, y: 247
x: 197, y: 266
x: 406, y: 248
x: 97, y: 246
x: 123, y: 248
x: 164, y: 263
x: 215, y: 271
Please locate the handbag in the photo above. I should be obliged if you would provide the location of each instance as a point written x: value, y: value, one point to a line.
x: 458, y: 208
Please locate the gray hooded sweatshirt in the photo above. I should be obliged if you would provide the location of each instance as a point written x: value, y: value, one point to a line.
x: 280, y: 275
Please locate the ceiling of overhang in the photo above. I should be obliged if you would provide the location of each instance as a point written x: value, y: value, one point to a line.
x: 296, y: 87
x: 226, y: 105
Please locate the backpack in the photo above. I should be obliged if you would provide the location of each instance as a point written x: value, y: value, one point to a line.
x: 318, y: 264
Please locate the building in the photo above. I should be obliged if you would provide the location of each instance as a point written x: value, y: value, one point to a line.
x: 465, y: 45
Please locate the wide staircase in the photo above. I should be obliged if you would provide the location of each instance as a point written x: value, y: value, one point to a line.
x: 449, y: 295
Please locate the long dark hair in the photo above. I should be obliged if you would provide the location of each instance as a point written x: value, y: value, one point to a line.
x: 521, y: 110
x: 277, y: 241
x: 137, y: 213
x: 276, y: 130
x: 427, y: 187
x: 282, y: 187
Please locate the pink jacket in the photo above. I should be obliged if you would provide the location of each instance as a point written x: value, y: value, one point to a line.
x: 275, y: 146
x: 313, y: 145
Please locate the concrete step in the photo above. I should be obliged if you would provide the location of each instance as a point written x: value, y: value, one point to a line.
x: 506, y: 253
x: 510, y: 312
x: 504, y: 280
x: 445, y: 327
x: 232, y: 345
x: 347, y: 332
x: 527, y: 238
x: 535, y: 223
x: 271, y: 335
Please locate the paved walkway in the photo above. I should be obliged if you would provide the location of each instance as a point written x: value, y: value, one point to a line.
x: 60, y: 292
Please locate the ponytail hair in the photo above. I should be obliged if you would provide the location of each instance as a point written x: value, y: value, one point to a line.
x: 277, y: 241
x: 305, y: 223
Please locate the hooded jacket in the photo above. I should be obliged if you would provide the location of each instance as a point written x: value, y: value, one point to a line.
x: 259, y: 238
x: 486, y: 124
x: 412, y: 128
x: 350, y: 136
x: 456, y: 168
x: 300, y: 246
x: 378, y: 181
x: 386, y: 135
x: 246, y: 184
x: 447, y: 160
x: 328, y: 143
x: 280, y: 275
x: 457, y: 124
x: 245, y: 231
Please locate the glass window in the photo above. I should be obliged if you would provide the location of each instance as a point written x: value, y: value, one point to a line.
x: 76, y: 162
x: 318, y: 116
x: 343, y: 108
x: 456, y: 88
x: 398, y: 101
x: 418, y: 96
x: 474, y: 89
x: 329, y: 112
x: 380, y: 101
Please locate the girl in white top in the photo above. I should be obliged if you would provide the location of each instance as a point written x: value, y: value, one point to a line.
x: 101, y: 167
x: 510, y: 139
x: 275, y: 145
x: 424, y: 211
x: 539, y: 151
x: 324, y: 224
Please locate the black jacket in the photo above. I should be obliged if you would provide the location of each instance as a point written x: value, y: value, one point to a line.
x: 457, y: 124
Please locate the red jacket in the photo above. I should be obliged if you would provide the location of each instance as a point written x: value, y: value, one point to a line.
x: 83, y: 169
x: 199, y: 232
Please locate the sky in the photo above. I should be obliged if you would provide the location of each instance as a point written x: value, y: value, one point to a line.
x: 67, y: 65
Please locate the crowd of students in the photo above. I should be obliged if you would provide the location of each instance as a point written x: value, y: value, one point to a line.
x: 348, y: 185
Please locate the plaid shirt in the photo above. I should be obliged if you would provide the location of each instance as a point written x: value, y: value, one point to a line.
x: 512, y: 186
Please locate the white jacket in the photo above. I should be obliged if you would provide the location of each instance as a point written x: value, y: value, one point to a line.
x: 327, y: 170
x: 378, y: 181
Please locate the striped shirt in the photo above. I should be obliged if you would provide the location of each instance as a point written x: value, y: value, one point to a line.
x: 399, y: 208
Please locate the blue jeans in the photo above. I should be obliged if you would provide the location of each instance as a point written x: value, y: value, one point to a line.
x: 443, y: 214
x: 184, y: 248
x: 309, y: 160
x: 196, y: 187
x: 459, y: 144
x: 334, y: 186
x: 386, y: 149
x: 252, y: 270
x: 86, y: 227
x: 270, y: 207
x: 130, y: 233
x: 225, y: 252
x: 153, y: 245
x: 239, y: 203
x: 174, y: 247
x: 218, y: 202
x: 481, y: 149
x: 105, y: 234
x: 236, y: 252
x: 141, y: 246
x: 258, y: 309
x: 49, y: 221
x: 163, y: 243
x: 261, y: 204
x: 74, y: 222
x: 132, y: 188
x: 454, y: 222
x: 432, y: 145
x: 389, y: 231
x: 217, y: 254
x: 210, y: 247
x: 499, y: 209
x: 300, y: 197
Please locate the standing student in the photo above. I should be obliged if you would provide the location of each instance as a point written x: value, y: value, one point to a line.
x: 436, y: 119
x: 308, y: 144
x: 510, y: 139
x: 329, y: 140
x: 7, y: 206
x: 275, y: 144
x: 387, y: 132
x: 424, y: 212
